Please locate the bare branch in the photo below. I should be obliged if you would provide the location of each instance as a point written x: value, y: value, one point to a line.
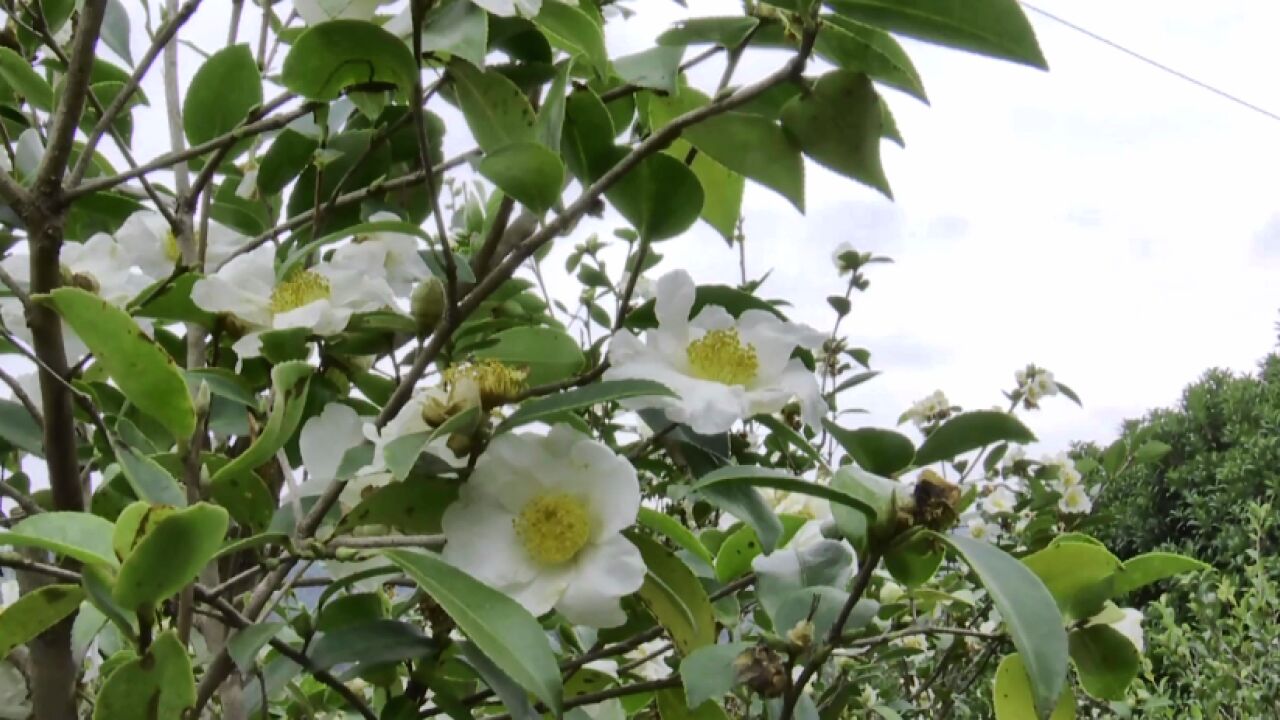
x: 21, y: 394
x: 23, y: 500
x: 13, y: 193
x: 71, y: 100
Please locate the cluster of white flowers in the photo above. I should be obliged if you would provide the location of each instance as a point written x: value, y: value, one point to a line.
x: 931, y: 409
x: 1076, y: 498
x: 1035, y: 384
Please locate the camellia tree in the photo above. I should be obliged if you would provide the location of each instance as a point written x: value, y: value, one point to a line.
x: 319, y: 443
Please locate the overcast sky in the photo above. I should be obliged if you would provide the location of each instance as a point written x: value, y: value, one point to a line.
x: 1105, y: 220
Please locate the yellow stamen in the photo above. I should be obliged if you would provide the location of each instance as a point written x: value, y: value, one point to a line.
x: 553, y: 528
x: 301, y: 288
x: 720, y: 355
x: 498, y: 383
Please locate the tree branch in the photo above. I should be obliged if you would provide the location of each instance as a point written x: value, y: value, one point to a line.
x: 71, y: 100
x: 13, y: 193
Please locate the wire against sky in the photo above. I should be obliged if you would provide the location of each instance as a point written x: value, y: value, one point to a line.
x: 1154, y: 63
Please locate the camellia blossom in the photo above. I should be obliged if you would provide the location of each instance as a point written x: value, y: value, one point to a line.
x: 1001, y: 500
x: 1075, y: 501
x: 931, y: 409
x: 540, y: 520
x: 980, y: 529
x: 151, y: 245
x: 723, y: 369
x: 386, y: 253
x: 321, y: 298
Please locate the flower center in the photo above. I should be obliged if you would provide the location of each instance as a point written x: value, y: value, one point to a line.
x: 170, y: 243
x: 301, y: 288
x: 720, y: 355
x: 553, y: 528
x: 498, y: 383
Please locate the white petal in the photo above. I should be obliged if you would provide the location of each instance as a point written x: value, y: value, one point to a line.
x: 508, y: 471
x: 603, y: 479
x: 713, y: 317
x: 242, y: 287
x: 143, y: 237
x: 327, y: 437
x: 604, y: 573
x: 28, y: 153
x: 249, y: 346
x: 220, y: 243
x: 676, y: 293
x: 797, y: 382
x: 483, y: 543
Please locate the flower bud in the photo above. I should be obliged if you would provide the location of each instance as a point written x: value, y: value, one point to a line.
x: 203, y: 398
x: 427, y: 305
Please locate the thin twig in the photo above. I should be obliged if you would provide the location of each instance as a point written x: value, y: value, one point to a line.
x: 21, y: 394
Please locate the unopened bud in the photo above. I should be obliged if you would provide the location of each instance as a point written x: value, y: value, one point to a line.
x: 203, y: 398
x: 427, y: 305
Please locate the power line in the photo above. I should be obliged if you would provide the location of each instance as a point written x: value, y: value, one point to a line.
x: 1154, y: 63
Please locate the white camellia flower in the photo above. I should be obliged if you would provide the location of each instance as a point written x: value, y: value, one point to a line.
x: 928, y: 410
x: 321, y: 298
x: 723, y: 369
x: 151, y: 245
x: 1001, y: 500
x: 540, y: 520
x: 980, y: 529
x: 1075, y: 501
x: 392, y: 255
x: 651, y: 656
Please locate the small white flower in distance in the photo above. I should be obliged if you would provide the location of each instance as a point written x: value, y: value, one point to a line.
x: 1001, y: 500
x: 321, y: 298
x: 151, y: 245
x: 915, y: 642
x: 1024, y: 519
x: 1075, y: 501
x: 392, y: 255
x: 652, y: 653
x: 928, y: 410
x: 1015, y: 454
x: 980, y: 529
x: 540, y: 519
x: 722, y: 369
x: 318, y: 11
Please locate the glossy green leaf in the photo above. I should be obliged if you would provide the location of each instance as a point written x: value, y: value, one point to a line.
x: 157, y: 686
x: 549, y: 125
x: 331, y: 57
x: 19, y: 429
x: 727, y: 31
x: 579, y: 398
x: 115, y: 30
x: 548, y: 354
x: 495, y: 108
x: 402, y: 453
x: 867, y: 529
x: 80, y: 536
x: 1012, y: 696
x: 18, y: 74
x: 587, y: 141
x: 413, y: 506
x: 883, y: 452
x: 657, y: 68
x: 289, y: 383
x: 170, y: 555
x: 1151, y: 567
x: 779, y: 480
x: 736, y: 553
x: 221, y: 94
x: 1106, y: 662
x: 722, y: 190
x: 708, y: 673
x: 1151, y: 451
x: 370, y: 643
x: 750, y: 145
x: 675, y: 596
x: 1029, y: 613
x: 839, y: 125
x: 457, y: 27
x: 660, y: 197
x: 671, y: 529
x: 1076, y: 574
x: 970, y: 431
x: 149, y: 480
x: 851, y: 45
x: 782, y: 573
x: 526, y: 171
x: 284, y: 160
x: 914, y: 562
x: 997, y: 28
x: 822, y: 606
x: 575, y: 32
x: 245, y: 644
x: 747, y: 504
x: 786, y: 434
x: 143, y: 371
x: 502, y: 629
x: 36, y: 612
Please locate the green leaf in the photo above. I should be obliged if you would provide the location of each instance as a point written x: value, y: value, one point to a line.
x: 970, y: 431
x: 157, y: 686
x: 779, y: 480
x: 823, y: 563
x: 170, y: 555
x: 822, y: 605
x: 727, y: 31
x: 750, y: 145
x: 330, y: 57
x: 288, y: 155
x: 1153, y: 567
x: 997, y: 28
x: 587, y: 140
x: 402, y: 453
x: 549, y: 125
x: 20, y: 429
x: 503, y: 630
x: 853, y: 46
x: 721, y: 190
x: 839, y: 125
x: 883, y: 452
x: 1012, y: 696
x: 76, y: 535
x: 675, y: 596
x: 36, y: 612
x: 1106, y: 662
x: 914, y: 561
x: 736, y: 552
x: 1029, y: 612
x: 495, y: 108
x: 785, y: 433
x: 580, y: 398
x: 370, y: 643
x: 221, y: 94
x: 657, y: 68
x: 708, y: 673
x: 733, y: 300
x: 289, y: 383
x: 413, y: 506
x: 575, y: 32
x: 745, y: 503
x: 115, y: 30
x: 149, y: 480
x: 19, y: 75
x: 527, y: 172
x: 660, y: 197
x: 143, y: 371
x: 1076, y: 574
x: 1151, y: 451
x: 245, y: 644
x: 548, y: 354
x: 459, y: 28
x: 671, y: 528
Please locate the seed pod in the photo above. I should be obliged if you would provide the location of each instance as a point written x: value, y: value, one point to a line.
x: 427, y: 305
